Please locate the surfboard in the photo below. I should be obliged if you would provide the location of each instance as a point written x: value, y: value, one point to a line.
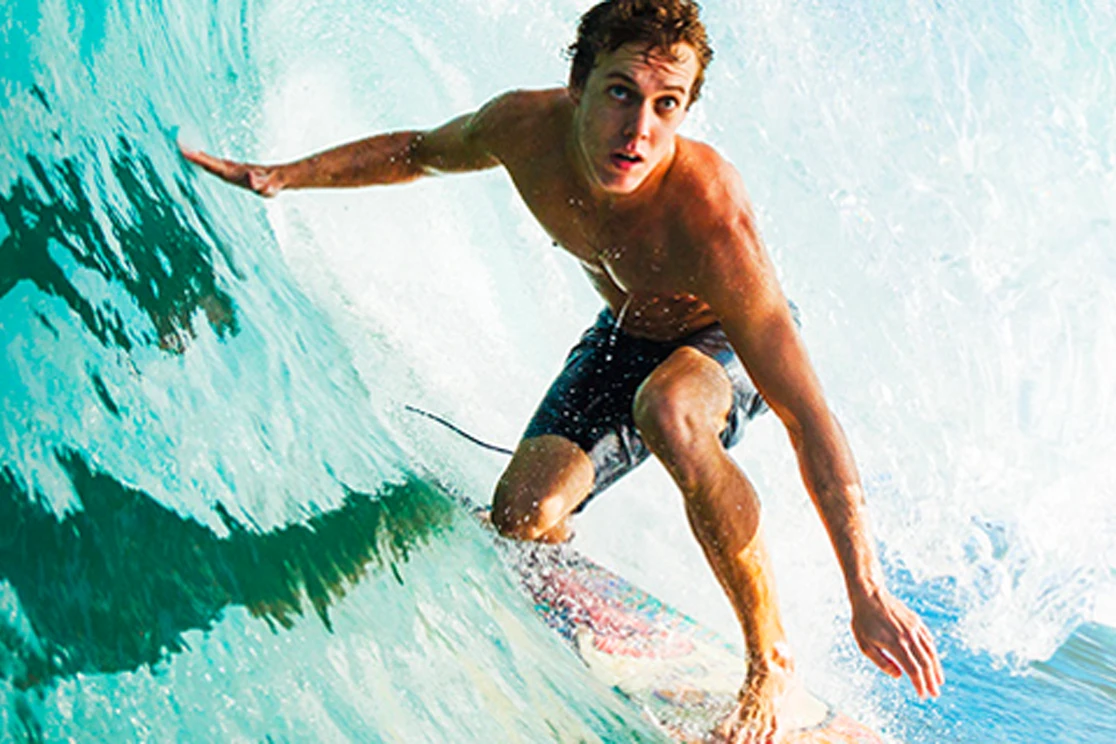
x: 684, y: 676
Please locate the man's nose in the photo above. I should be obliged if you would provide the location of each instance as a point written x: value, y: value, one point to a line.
x: 639, y: 125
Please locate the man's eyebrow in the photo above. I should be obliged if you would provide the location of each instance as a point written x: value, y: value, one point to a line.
x: 631, y: 81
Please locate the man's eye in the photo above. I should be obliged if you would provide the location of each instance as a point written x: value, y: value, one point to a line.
x: 619, y: 92
x: 668, y: 104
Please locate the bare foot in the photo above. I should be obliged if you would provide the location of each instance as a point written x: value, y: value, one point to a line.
x: 755, y: 720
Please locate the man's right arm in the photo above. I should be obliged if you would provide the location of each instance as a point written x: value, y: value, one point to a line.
x: 736, y: 277
x: 466, y: 143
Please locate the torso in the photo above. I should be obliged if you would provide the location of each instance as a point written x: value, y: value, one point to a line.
x: 637, y: 259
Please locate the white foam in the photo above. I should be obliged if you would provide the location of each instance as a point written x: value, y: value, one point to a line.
x: 947, y: 237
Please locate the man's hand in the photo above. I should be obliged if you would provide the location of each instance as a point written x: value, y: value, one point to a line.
x: 897, y: 641
x: 265, y: 180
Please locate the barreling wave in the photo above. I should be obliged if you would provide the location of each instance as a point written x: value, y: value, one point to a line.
x: 217, y: 519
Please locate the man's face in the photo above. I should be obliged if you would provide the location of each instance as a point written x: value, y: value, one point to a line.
x: 628, y: 112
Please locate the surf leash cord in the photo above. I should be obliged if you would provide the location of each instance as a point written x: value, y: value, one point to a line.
x: 458, y: 430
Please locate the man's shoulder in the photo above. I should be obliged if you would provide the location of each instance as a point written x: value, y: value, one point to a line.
x: 708, y: 189
x: 506, y: 119
x: 529, y: 102
x: 701, y: 169
x: 714, y: 219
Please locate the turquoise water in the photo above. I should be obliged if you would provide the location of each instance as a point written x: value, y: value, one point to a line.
x: 218, y: 522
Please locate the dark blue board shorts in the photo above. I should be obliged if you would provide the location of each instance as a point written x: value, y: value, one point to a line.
x: 590, y: 402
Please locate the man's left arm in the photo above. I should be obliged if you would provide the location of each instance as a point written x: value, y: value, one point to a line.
x: 738, y: 281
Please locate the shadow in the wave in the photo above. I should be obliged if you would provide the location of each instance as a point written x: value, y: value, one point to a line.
x: 157, y: 251
x: 115, y: 585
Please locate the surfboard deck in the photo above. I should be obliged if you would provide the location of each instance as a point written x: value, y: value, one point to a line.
x: 684, y: 676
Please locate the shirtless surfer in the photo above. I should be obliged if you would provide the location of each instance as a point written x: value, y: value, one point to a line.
x: 663, y: 228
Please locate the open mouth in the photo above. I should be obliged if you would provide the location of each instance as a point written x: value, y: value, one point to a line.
x: 625, y: 160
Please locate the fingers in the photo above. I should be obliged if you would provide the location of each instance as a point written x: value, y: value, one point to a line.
x: 218, y: 167
x: 924, y: 656
x: 918, y: 658
x: 256, y: 178
x: 898, y: 642
x: 911, y: 665
x: 939, y: 672
x: 936, y: 674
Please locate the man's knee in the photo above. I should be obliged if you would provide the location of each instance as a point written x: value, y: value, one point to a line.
x: 546, y: 479
x: 664, y: 419
x: 515, y: 510
x: 675, y: 413
x: 523, y: 511
x: 680, y: 411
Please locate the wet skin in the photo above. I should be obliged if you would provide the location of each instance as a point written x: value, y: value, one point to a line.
x: 663, y: 228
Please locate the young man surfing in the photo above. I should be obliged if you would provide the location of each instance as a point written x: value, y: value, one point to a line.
x: 695, y: 339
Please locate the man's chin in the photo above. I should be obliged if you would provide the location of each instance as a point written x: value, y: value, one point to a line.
x: 620, y: 184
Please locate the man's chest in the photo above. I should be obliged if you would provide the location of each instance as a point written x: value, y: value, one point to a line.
x: 636, y: 251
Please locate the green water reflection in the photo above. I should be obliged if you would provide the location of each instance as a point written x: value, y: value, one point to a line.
x: 157, y: 246
x: 115, y: 585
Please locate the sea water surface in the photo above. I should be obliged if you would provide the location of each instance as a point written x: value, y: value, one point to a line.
x: 219, y: 522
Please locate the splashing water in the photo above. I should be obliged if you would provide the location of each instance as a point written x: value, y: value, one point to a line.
x: 218, y: 521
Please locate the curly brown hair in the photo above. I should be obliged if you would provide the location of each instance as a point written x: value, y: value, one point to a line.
x: 660, y: 24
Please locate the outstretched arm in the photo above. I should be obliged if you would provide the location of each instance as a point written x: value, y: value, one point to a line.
x: 463, y: 144
x: 738, y: 281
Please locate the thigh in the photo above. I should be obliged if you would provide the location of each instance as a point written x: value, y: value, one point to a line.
x: 590, y: 402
